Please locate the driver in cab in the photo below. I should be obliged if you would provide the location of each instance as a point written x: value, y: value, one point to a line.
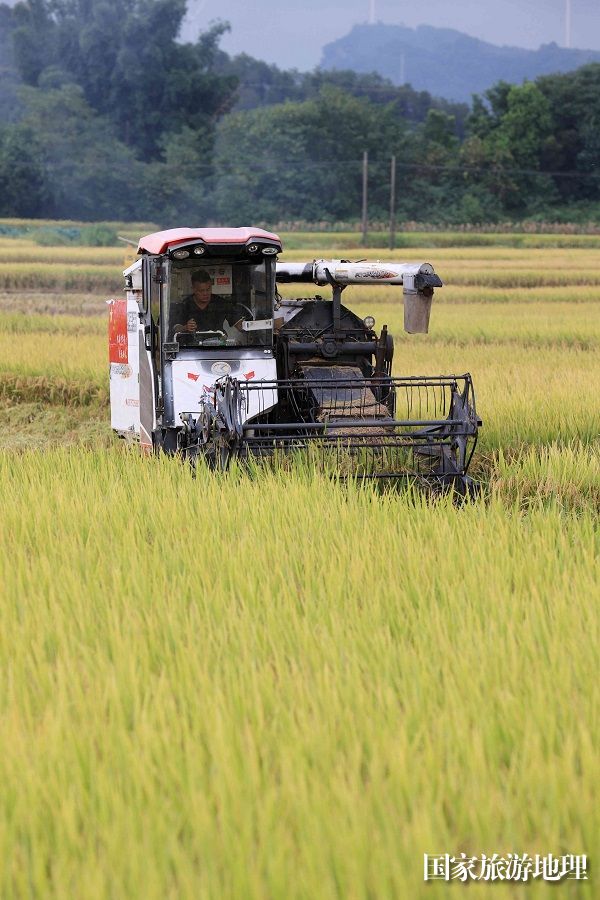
x: 202, y: 311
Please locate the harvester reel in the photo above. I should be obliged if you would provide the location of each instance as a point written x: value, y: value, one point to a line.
x: 204, y: 424
x: 214, y: 445
x: 219, y: 424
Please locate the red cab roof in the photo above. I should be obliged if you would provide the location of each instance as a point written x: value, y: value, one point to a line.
x: 161, y: 241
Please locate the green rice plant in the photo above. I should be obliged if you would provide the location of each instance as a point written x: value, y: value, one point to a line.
x: 86, y: 305
x: 212, y: 683
x: 275, y: 684
x: 459, y: 294
x: 553, y: 476
x: 21, y: 323
x: 523, y: 278
x: 56, y: 236
x: 57, y: 354
x: 439, y: 240
x: 524, y: 396
x: 37, y: 423
x: 532, y: 324
x: 98, y: 235
x: 66, y: 256
x: 535, y: 366
x: 546, y: 255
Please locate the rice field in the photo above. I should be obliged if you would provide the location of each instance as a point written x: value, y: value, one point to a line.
x: 281, y: 686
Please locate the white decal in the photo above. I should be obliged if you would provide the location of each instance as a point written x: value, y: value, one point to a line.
x: 220, y: 368
x: 376, y: 273
x: 122, y: 369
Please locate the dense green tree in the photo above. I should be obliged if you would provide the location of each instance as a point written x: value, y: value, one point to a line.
x: 9, y: 78
x: 178, y: 189
x: 125, y: 57
x: 574, y: 102
x: 119, y: 118
x: 510, y: 138
x: 24, y: 188
x: 90, y: 174
x: 428, y: 169
x: 302, y: 160
x: 261, y: 84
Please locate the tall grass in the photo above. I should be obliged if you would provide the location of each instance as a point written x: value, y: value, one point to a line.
x: 284, y: 687
x: 558, y: 476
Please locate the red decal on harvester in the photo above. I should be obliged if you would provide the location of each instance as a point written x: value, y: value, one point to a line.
x: 117, y: 332
x: 249, y: 375
x: 193, y: 376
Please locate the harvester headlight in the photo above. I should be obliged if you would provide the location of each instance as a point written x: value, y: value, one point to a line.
x: 181, y: 254
x: 253, y: 248
x: 369, y: 322
x: 269, y: 251
x: 199, y: 251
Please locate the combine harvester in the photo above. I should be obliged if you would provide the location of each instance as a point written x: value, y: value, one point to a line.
x: 269, y: 376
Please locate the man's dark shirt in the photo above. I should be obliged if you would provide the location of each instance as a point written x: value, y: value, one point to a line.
x: 209, y: 319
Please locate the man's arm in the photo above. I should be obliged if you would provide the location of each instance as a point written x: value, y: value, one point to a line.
x: 182, y: 320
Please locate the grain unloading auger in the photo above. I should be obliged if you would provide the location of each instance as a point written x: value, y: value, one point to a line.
x: 206, y: 359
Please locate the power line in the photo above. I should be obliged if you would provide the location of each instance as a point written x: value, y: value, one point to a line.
x: 219, y: 170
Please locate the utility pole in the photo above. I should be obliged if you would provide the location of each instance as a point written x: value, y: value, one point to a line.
x: 393, y: 204
x: 365, y: 181
x: 567, y: 23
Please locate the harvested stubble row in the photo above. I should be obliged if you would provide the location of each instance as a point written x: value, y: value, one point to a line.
x: 56, y: 277
x: 52, y: 390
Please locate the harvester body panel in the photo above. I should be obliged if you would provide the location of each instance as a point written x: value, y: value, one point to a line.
x: 132, y: 378
x: 189, y: 381
x: 124, y: 369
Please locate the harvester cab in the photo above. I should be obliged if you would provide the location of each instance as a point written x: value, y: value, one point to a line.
x: 207, y: 359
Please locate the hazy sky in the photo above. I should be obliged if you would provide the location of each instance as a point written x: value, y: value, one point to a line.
x: 291, y: 33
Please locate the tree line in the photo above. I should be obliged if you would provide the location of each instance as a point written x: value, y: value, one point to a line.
x: 105, y: 114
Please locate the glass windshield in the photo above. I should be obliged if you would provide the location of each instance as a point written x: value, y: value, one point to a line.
x: 225, y: 304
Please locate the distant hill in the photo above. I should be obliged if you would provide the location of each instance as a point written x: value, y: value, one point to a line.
x: 445, y: 62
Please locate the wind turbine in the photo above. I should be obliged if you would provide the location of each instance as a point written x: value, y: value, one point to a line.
x: 371, y: 12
